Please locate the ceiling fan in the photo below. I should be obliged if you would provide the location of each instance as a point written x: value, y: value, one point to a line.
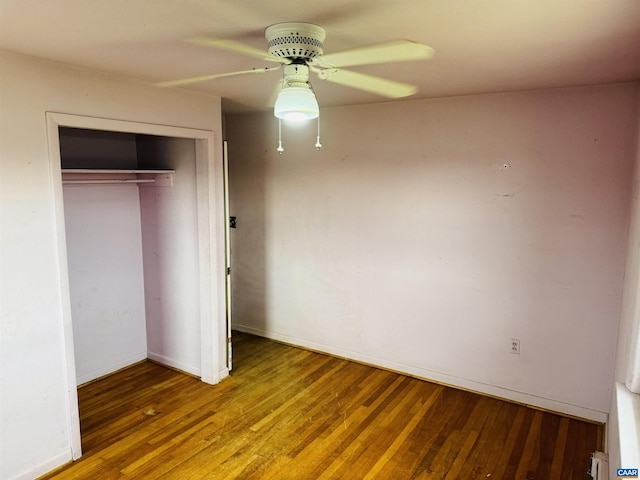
x: 298, y: 47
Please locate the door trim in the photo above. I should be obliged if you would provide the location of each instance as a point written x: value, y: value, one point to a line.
x: 227, y: 252
x: 210, y: 245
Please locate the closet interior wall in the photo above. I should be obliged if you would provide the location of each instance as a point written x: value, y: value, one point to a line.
x: 132, y: 254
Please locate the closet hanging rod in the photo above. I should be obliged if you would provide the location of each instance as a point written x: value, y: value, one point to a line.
x: 109, y: 181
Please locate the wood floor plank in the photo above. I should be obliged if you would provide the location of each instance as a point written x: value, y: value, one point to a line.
x: 443, y: 425
x: 288, y: 413
x: 482, y: 421
x: 359, y: 456
x: 557, y: 461
x: 490, y: 426
x: 402, y: 437
x: 529, y: 450
x: 519, y: 444
x: 454, y: 471
x: 321, y: 452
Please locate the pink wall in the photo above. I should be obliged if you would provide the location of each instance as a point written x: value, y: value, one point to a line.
x: 427, y: 234
x: 170, y: 252
x: 104, y: 250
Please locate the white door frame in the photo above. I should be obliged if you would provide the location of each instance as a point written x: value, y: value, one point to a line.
x: 210, y: 246
x: 227, y: 251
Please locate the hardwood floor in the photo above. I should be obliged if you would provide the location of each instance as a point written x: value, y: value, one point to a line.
x: 287, y: 413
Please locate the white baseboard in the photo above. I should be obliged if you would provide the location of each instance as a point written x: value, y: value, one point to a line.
x: 170, y: 362
x: 430, y: 375
x: 101, y: 372
x: 46, y: 467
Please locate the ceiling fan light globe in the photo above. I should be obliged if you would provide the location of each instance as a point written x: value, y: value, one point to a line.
x: 296, y: 103
x: 297, y: 116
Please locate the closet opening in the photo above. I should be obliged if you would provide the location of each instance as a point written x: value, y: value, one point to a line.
x: 139, y: 211
x: 132, y: 250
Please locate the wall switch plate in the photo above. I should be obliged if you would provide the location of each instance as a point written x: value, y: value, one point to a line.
x: 515, y: 346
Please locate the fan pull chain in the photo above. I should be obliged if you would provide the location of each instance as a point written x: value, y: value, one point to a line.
x: 318, y: 144
x: 280, y: 149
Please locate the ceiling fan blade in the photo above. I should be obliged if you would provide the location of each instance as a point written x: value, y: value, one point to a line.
x: 368, y: 83
x: 395, y: 51
x: 203, y: 78
x: 238, y: 47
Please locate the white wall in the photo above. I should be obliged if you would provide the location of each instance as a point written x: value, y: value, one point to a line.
x: 630, y: 318
x: 104, y: 251
x: 426, y: 234
x: 34, y: 423
x: 623, y: 429
x: 170, y: 253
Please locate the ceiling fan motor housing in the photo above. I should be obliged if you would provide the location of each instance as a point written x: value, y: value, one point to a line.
x: 295, y: 40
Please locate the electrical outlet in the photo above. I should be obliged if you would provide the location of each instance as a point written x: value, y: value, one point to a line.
x: 515, y: 346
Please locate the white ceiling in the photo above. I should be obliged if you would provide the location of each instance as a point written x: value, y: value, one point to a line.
x: 481, y: 45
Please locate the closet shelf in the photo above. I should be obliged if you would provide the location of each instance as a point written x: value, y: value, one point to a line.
x: 94, y: 176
